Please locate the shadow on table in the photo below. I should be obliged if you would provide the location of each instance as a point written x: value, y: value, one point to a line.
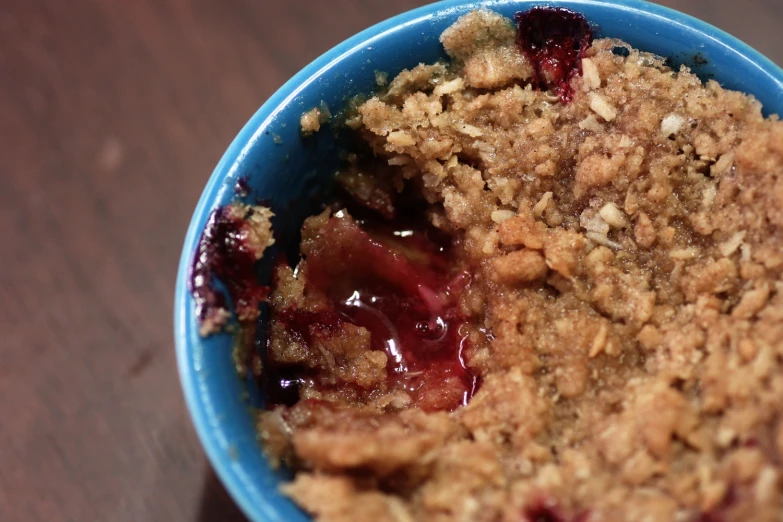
x: 216, y: 504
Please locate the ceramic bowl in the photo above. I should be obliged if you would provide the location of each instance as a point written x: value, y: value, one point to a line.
x: 289, y: 172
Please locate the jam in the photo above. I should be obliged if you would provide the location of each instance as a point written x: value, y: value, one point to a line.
x: 719, y: 512
x: 397, y: 284
x: 223, y: 253
x: 545, y: 509
x: 554, y: 40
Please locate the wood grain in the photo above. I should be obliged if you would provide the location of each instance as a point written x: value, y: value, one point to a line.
x: 112, y: 116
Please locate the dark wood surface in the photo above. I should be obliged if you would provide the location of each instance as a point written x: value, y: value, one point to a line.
x: 112, y: 116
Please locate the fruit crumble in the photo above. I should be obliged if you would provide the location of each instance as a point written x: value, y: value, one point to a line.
x: 555, y: 294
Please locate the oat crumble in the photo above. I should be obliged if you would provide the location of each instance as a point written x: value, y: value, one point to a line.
x: 312, y: 120
x: 622, y: 317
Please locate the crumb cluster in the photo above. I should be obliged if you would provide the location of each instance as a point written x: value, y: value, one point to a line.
x: 624, y: 314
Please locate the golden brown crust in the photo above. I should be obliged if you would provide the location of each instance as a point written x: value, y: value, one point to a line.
x: 631, y: 253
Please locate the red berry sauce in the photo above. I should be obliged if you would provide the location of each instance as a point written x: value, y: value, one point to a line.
x: 719, y: 512
x: 397, y: 284
x: 554, y: 39
x: 545, y: 509
x: 223, y: 254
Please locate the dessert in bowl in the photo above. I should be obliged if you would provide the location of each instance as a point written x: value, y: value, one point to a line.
x: 545, y: 287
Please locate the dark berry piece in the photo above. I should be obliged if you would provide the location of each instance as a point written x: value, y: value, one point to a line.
x: 555, y: 40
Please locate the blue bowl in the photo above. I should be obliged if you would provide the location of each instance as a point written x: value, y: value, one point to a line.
x: 289, y: 172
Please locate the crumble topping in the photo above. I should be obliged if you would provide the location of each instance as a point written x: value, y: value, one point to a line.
x: 311, y: 121
x: 601, y: 338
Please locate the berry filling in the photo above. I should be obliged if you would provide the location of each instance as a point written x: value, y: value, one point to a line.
x: 229, y: 247
x: 399, y: 286
x: 554, y: 39
x: 545, y: 509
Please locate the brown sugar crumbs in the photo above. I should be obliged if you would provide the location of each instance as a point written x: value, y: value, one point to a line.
x: 587, y: 323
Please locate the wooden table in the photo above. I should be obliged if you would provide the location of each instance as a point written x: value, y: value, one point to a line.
x: 112, y: 116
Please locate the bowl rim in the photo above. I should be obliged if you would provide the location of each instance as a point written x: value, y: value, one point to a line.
x: 206, y: 426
